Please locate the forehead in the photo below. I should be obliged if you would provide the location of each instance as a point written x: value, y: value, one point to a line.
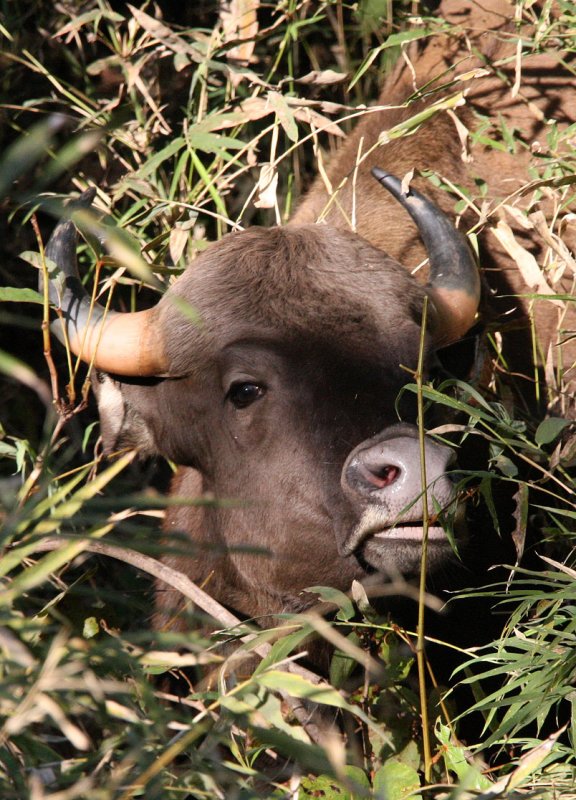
x: 318, y: 362
x: 307, y: 287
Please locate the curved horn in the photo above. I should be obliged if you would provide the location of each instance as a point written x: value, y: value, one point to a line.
x: 454, y: 284
x: 121, y: 343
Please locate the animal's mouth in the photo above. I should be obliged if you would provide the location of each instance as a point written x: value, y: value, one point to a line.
x: 397, y: 548
x: 378, y: 532
x: 411, y: 532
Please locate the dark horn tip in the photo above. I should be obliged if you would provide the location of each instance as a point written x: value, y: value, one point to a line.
x: 85, y: 199
x: 454, y: 279
x: 61, y: 247
x: 388, y: 181
x: 378, y: 173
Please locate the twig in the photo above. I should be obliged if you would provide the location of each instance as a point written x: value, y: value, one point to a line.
x: 46, y: 314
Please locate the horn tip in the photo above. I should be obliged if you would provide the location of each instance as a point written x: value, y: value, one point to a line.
x: 380, y: 174
x: 391, y: 183
x: 85, y: 199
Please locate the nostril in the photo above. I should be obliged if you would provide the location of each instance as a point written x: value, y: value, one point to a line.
x: 380, y: 476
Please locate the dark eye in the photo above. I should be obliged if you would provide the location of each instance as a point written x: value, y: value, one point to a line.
x: 243, y: 394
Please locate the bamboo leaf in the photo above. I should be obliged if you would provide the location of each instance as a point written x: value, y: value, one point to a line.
x: 297, y: 686
x: 9, y: 294
x: 20, y: 157
x: 550, y: 429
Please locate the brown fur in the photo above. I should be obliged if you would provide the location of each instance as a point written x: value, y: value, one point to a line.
x: 309, y: 311
x: 487, y: 42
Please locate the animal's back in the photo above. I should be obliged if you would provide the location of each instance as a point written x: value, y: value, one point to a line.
x: 463, y: 146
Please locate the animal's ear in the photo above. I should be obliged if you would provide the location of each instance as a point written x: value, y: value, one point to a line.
x: 121, y: 423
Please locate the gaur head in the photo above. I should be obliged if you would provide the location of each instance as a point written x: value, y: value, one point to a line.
x: 281, y: 391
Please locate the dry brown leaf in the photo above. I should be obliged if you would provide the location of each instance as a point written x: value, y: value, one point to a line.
x: 521, y: 519
x: 518, y: 216
x: 239, y: 20
x: 318, y: 121
x: 568, y: 451
x: 538, y: 220
x: 473, y: 74
x: 254, y: 108
x: 324, y: 77
x: 330, y: 108
x: 164, y: 35
x: 463, y: 134
x: 559, y: 566
x: 525, y: 261
x: 406, y: 180
x: 517, y: 69
x: 267, y: 185
x: 177, y: 242
x: 550, y: 371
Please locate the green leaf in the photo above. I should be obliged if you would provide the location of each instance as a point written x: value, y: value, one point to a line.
x: 150, y: 166
x: 9, y: 294
x: 18, y: 371
x: 119, y: 243
x: 8, y: 450
x: 341, y: 600
x: 86, y: 436
x: 297, y: 686
x: 33, y: 145
x: 550, y: 429
x: 81, y: 20
x: 59, y: 512
x: 353, y: 786
x: 214, y: 143
x: 458, y: 760
x: 91, y: 627
x: 310, y: 757
x: 506, y: 466
x: 563, y: 512
x: 437, y: 396
x: 396, y: 781
x: 185, y: 308
x: 284, y: 114
x: 69, y: 154
x: 342, y: 665
x: 283, y: 647
x: 394, y: 40
x: 324, y: 786
x: 359, y: 783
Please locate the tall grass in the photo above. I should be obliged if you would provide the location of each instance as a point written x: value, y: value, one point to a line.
x: 187, y: 132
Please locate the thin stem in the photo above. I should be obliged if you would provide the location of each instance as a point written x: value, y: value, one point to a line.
x: 46, y: 314
x: 420, y: 641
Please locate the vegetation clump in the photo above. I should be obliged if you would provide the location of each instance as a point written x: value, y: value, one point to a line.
x: 192, y: 121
